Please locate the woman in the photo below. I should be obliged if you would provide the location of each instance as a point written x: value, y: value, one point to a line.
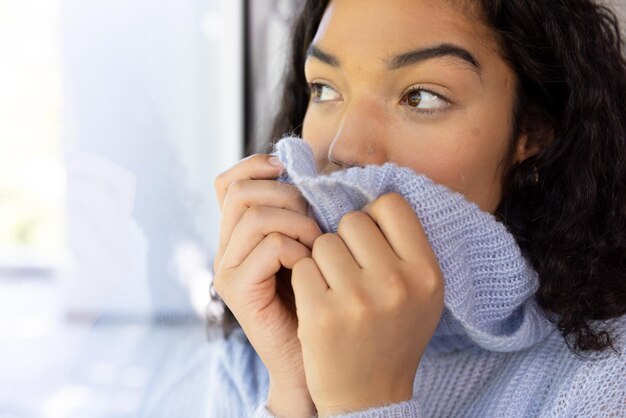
x: 516, y: 105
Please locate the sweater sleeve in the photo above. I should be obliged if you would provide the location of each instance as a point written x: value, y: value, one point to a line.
x: 238, y: 380
x: 406, y: 409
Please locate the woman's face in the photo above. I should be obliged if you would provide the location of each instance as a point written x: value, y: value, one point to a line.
x: 416, y: 82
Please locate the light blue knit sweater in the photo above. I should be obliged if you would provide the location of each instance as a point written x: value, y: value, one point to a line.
x: 493, y: 354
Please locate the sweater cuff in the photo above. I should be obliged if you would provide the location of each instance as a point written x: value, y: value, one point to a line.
x: 406, y: 409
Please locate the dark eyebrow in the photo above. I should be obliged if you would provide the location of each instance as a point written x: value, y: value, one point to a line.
x: 329, y: 59
x: 438, y: 51
x: 406, y: 59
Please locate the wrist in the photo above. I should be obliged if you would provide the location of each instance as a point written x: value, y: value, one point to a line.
x: 290, y: 400
x: 360, y: 403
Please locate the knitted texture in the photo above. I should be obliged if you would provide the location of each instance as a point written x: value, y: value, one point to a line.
x: 493, y: 354
x: 489, y: 285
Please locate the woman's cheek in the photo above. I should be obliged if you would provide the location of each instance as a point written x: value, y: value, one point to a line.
x: 477, y: 175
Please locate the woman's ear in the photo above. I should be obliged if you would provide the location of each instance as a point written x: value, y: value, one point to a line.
x: 523, y: 149
x: 532, y: 141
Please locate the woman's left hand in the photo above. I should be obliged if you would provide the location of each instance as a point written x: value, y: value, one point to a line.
x: 368, y: 301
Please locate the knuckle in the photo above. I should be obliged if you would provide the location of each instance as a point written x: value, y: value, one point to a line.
x: 396, y: 292
x: 393, y: 198
x: 433, y: 283
x: 220, y: 180
x: 358, y: 308
x: 351, y: 219
x: 276, y: 241
x: 322, y: 241
x: 388, y: 200
x: 394, y: 279
x: 298, y: 266
x: 254, y: 214
x: 237, y: 186
x: 312, y: 227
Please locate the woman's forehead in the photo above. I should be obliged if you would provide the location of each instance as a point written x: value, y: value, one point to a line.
x: 385, y: 29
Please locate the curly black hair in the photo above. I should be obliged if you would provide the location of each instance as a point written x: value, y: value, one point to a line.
x: 566, y: 205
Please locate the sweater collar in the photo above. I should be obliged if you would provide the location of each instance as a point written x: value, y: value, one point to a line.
x: 490, y: 287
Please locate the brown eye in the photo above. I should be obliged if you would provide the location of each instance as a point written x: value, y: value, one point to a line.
x: 316, y: 91
x: 321, y: 93
x: 423, y: 100
x: 414, y: 98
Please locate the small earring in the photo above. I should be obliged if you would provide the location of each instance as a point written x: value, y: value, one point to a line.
x: 535, y: 175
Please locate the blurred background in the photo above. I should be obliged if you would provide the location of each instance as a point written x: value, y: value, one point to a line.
x: 115, y: 117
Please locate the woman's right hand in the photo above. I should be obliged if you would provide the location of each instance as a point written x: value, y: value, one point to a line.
x: 264, y: 227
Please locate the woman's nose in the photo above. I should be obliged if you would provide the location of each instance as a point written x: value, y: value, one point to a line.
x: 360, y: 136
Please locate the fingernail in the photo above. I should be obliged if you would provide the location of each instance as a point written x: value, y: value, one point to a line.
x: 273, y: 160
